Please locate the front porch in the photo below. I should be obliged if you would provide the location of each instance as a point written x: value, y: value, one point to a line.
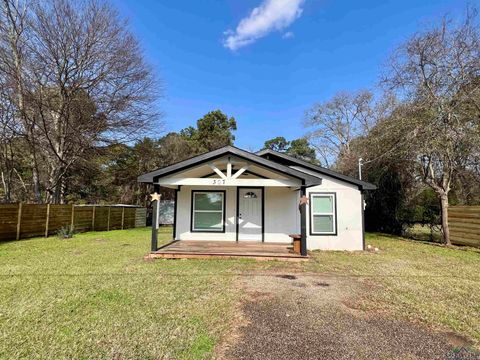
x: 202, y: 249
x: 231, y: 203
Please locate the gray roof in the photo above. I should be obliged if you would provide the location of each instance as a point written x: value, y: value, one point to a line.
x: 290, y: 160
x: 153, y: 176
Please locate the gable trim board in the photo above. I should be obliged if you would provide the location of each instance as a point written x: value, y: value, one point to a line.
x: 152, y: 177
x: 285, y: 179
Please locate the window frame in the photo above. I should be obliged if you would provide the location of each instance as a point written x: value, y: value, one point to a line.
x: 332, y: 195
x: 192, y: 211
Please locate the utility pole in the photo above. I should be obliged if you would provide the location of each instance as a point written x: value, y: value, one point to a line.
x: 360, y: 164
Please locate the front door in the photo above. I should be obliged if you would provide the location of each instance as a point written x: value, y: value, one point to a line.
x: 250, y: 214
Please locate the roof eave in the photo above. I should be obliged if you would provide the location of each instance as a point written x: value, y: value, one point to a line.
x: 202, y: 158
x: 362, y: 185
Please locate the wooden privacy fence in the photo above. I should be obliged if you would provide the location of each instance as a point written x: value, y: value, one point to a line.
x: 464, y: 224
x: 19, y: 221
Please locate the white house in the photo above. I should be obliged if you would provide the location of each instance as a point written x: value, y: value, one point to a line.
x: 234, y: 195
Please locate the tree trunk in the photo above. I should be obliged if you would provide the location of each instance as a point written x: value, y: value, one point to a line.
x: 56, y: 184
x: 36, y: 185
x: 445, y: 228
x: 6, y: 188
x: 62, y: 190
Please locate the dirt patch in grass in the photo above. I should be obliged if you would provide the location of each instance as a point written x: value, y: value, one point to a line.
x: 287, y: 276
x: 319, y: 316
x: 239, y: 322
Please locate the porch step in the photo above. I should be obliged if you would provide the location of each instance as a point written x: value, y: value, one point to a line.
x: 191, y: 249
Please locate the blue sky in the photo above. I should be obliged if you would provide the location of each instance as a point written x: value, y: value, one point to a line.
x: 282, y: 59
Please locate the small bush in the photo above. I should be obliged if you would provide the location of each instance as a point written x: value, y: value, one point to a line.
x: 66, y: 232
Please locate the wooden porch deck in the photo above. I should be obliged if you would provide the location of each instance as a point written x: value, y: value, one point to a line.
x: 200, y: 249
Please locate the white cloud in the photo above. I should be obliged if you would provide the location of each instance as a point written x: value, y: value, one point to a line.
x: 271, y: 15
x: 288, y: 35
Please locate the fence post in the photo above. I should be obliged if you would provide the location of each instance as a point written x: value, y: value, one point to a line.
x: 93, y: 218
x: 47, y: 220
x: 123, y: 216
x: 19, y: 220
x: 108, y: 220
x: 72, y: 219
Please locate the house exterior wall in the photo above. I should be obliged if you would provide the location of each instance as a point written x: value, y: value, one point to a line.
x: 349, y: 217
x: 281, y: 214
x: 184, y: 198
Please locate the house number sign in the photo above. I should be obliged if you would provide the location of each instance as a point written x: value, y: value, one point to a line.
x: 218, y: 181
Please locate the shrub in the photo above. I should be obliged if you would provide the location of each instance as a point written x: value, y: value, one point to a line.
x: 66, y: 232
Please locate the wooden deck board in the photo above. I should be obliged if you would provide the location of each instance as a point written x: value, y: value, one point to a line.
x: 189, y: 249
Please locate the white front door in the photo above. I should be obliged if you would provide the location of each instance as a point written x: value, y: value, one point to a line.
x: 250, y: 210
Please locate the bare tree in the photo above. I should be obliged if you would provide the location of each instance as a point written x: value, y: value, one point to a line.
x: 13, y: 57
x: 336, y: 123
x: 7, y: 137
x: 437, y: 75
x: 79, y: 80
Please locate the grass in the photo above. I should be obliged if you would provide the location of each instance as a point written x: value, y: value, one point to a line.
x: 94, y: 296
x: 423, y: 233
x: 433, y: 284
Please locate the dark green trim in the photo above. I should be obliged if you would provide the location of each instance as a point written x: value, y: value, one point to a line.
x: 310, y: 214
x: 224, y: 211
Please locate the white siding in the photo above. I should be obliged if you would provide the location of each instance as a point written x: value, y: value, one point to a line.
x: 282, y: 216
x: 349, y: 217
x: 184, y: 213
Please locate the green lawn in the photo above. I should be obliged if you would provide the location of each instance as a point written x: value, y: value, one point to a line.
x: 94, y: 296
x: 423, y: 233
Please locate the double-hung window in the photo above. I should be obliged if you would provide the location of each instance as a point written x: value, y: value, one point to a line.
x: 323, y: 214
x: 208, y: 211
